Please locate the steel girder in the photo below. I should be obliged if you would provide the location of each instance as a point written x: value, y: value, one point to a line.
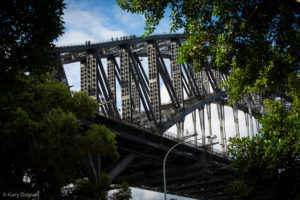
x: 141, y: 98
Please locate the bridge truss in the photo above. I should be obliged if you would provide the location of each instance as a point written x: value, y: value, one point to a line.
x: 190, y: 91
x: 138, y: 68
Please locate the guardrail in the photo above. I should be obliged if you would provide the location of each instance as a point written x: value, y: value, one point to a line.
x: 200, y: 146
x: 121, y: 38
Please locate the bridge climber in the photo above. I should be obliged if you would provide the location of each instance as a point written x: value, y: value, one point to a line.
x: 141, y: 103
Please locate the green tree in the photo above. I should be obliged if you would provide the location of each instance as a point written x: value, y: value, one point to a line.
x: 43, y: 140
x: 28, y: 30
x: 123, y: 192
x: 43, y: 146
x: 268, y: 165
x: 256, y: 40
x: 256, y: 44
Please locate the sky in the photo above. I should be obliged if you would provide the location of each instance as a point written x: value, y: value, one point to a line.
x: 101, y: 20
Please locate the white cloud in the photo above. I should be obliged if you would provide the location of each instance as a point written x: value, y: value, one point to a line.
x: 74, y: 37
x: 133, y: 22
x: 82, y: 25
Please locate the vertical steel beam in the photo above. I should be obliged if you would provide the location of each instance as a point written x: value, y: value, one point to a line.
x: 202, y: 124
x: 236, y: 120
x: 224, y: 128
x: 221, y: 116
x: 257, y: 125
x: 167, y: 80
x: 111, y: 76
x: 176, y: 73
x: 180, y: 128
x: 247, y: 124
x: 205, y: 83
x: 134, y: 90
x: 141, y: 88
x: 88, y: 75
x: 125, y: 84
x: 194, y: 118
x: 176, y: 77
x: 154, y: 83
x: 208, y: 110
x: 248, y: 99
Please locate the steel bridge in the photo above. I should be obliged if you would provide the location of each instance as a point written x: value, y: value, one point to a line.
x: 138, y: 67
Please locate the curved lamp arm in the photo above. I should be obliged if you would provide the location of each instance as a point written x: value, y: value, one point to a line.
x: 164, y: 167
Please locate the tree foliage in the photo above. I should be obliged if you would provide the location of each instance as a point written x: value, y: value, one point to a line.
x: 268, y: 165
x: 256, y: 44
x: 43, y: 146
x: 42, y: 138
x: 256, y: 40
x: 28, y: 30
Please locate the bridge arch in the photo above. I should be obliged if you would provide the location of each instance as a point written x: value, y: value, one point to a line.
x: 126, y: 75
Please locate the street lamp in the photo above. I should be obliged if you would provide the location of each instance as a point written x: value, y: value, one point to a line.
x: 165, y: 159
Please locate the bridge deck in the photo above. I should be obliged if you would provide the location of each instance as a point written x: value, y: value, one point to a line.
x: 197, y: 172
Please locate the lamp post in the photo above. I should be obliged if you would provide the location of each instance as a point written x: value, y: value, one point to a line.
x: 165, y: 159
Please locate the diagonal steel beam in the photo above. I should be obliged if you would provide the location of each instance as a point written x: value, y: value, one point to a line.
x: 166, y: 78
x: 109, y: 94
x: 211, y: 78
x: 143, y: 95
x: 144, y: 76
x: 186, y: 86
x: 104, y: 86
x: 191, y: 80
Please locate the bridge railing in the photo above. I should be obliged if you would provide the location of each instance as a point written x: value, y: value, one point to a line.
x: 121, y: 38
x: 200, y: 146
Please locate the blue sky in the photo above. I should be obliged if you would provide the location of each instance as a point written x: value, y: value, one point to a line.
x: 100, y: 20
